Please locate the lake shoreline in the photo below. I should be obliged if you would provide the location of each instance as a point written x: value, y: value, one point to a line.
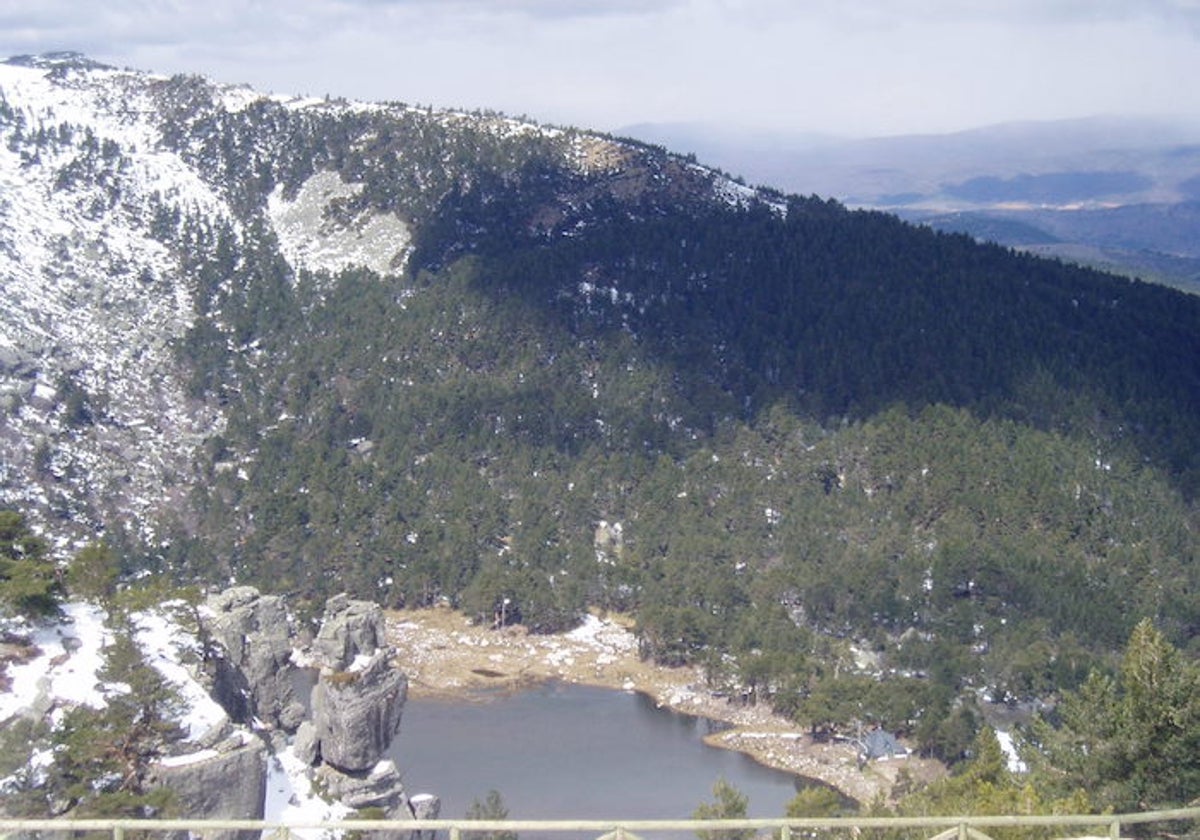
x: 446, y: 656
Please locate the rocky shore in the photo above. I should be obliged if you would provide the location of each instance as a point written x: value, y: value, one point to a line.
x: 445, y: 655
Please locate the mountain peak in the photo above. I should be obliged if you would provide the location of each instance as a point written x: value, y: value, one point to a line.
x: 58, y: 60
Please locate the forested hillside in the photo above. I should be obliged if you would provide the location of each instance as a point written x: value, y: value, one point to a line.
x: 818, y: 450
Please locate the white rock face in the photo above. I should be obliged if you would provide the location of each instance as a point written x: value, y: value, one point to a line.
x: 318, y: 232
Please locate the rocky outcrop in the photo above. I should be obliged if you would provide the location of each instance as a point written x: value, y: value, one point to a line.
x: 227, y: 782
x: 425, y: 806
x: 356, y: 713
x: 349, y: 629
x: 356, y: 704
x: 255, y: 678
x: 306, y: 746
x: 380, y: 788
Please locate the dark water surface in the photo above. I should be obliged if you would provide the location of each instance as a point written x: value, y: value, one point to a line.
x: 560, y: 751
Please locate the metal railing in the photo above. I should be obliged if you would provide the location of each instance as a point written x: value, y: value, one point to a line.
x: 943, y: 828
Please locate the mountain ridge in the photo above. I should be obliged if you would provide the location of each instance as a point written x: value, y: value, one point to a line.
x: 125, y: 155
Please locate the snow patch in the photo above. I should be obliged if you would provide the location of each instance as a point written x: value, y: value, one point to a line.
x: 605, y: 635
x: 321, y: 230
x: 291, y: 800
x: 190, y: 758
x: 67, y: 668
x: 165, y: 646
x: 1015, y: 764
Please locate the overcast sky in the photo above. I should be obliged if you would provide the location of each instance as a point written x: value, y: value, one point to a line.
x: 852, y: 67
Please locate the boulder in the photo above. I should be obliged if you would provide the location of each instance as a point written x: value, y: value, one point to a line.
x: 15, y: 362
x: 306, y: 746
x: 356, y: 713
x: 292, y: 714
x: 424, y: 806
x: 381, y: 787
x: 349, y: 629
x: 256, y: 678
x: 229, y: 782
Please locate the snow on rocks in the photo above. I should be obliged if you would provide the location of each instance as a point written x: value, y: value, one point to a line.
x: 291, y: 799
x: 93, y: 297
x: 315, y: 234
x: 70, y: 655
x: 166, y: 646
x: 607, y: 636
x: 66, y: 668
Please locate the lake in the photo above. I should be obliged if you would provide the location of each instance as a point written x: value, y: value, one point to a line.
x: 562, y: 751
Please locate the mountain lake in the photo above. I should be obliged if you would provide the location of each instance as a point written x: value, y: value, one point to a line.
x: 564, y: 751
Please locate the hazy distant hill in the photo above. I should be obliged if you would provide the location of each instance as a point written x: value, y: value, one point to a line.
x: 1095, y: 190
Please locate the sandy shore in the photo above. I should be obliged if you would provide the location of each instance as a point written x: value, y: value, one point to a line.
x: 444, y: 655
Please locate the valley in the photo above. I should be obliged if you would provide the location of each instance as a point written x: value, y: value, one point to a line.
x: 863, y: 472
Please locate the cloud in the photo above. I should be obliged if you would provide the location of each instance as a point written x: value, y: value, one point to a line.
x: 867, y: 66
x: 543, y: 9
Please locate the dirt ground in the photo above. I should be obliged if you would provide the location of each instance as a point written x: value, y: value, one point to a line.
x: 444, y: 655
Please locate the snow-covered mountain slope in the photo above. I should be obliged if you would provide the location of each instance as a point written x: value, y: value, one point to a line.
x: 97, y: 425
x: 133, y: 207
x: 65, y: 669
x: 92, y: 395
x: 61, y: 665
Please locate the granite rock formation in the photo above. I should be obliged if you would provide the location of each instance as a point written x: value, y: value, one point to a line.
x: 255, y: 676
x: 356, y: 713
x: 227, y: 782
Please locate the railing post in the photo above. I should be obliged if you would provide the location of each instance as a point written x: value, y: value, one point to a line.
x: 1114, y: 830
x: 455, y: 832
x: 785, y: 832
x: 118, y: 832
x: 962, y: 831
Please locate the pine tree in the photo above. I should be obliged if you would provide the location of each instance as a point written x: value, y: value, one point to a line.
x: 1133, y: 739
x: 728, y: 803
x: 492, y: 807
x: 28, y: 580
x: 93, y: 573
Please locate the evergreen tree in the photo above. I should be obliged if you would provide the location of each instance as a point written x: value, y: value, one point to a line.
x: 492, y: 808
x: 94, y: 572
x: 818, y: 802
x: 102, y: 757
x: 1133, y: 740
x: 29, y: 583
x: 984, y: 786
x: 728, y: 803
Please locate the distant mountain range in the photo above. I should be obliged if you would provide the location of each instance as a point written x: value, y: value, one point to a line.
x: 1120, y: 194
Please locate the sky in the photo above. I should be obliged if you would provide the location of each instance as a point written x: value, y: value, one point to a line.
x: 843, y: 67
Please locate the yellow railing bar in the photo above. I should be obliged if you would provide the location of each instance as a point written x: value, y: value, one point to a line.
x: 964, y: 827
